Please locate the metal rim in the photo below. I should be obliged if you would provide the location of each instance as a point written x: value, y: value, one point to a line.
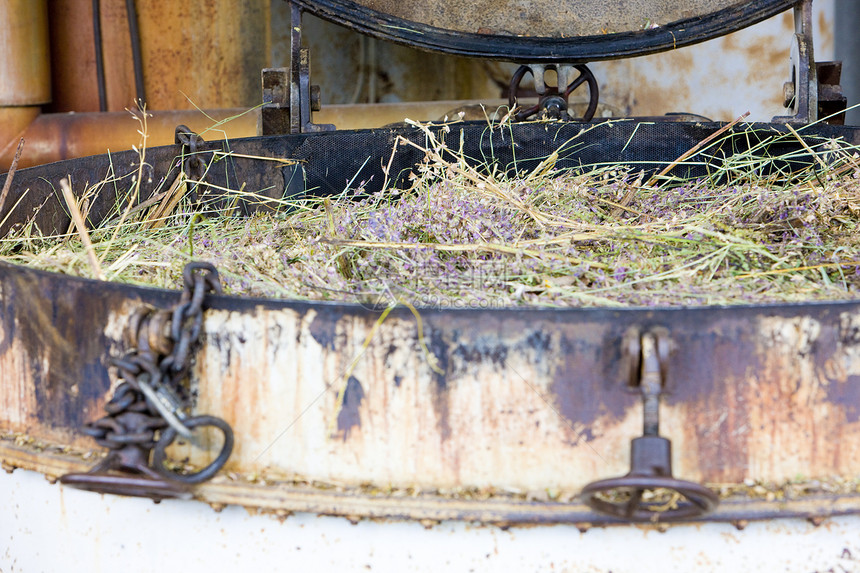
x: 581, y: 49
x: 509, y: 510
x: 244, y: 303
x: 699, y: 499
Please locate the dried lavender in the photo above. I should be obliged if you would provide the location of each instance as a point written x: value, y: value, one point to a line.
x: 462, y: 238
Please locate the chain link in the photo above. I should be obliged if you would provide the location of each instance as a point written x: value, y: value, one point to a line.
x: 193, y: 164
x: 149, y: 408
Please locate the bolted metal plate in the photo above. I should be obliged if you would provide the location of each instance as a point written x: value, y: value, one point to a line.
x: 541, y: 30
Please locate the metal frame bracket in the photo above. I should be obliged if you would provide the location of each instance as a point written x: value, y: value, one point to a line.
x: 288, y: 96
x: 813, y: 92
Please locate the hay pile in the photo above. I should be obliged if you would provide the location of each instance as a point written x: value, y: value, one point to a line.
x: 460, y: 237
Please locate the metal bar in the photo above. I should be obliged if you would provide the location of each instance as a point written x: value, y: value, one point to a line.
x: 650, y: 385
x: 358, y: 503
x: 295, y: 68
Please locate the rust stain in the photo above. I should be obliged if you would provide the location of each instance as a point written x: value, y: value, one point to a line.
x: 233, y: 375
x: 681, y: 62
x: 729, y: 42
x: 824, y: 36
x: 437, y: 345
x: 349, y: 417
x: 660, y: 84
x: 842, y: 370
x: 324, y: 327
x: 587, y: 385
x: 787, y: 21
x: 705, y: 391
x: 798, y: 424
x: 63, y: 332
x: 766, y: 54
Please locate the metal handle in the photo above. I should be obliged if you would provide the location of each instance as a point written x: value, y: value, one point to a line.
x: 650, y: 456
x: 159, y: 454
x: 651, y: 470
x: 552, y: 99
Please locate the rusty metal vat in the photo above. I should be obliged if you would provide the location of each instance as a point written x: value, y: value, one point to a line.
x: 531, y: 405
x: 495, y: 416
x: 530, y: 401
x: 527, y: 399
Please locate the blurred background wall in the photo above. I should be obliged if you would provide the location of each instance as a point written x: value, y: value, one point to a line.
x: 208, y: 54
x: 720, y: 79
x: 847, y: 48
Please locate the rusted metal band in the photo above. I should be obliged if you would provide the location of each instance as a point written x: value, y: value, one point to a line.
x: 536, y: 44
x: 361, y: 503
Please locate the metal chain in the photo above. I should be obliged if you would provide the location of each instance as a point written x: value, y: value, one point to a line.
x: 149, y: 408
x: 193, y: 164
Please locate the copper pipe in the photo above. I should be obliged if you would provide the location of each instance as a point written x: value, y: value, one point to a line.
x: 74, y: 77
x: 25, y: 76
x: 57, y: 136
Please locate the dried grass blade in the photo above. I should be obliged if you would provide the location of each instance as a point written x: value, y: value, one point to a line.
x: 172, y: 197
x: 11, y: 174
x: 806, y: 146
x: 81, y: 227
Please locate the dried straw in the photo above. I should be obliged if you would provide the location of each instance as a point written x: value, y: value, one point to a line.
x: 463, y: 235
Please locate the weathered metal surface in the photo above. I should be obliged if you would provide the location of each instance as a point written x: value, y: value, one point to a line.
x: 529, y: 400
x: 525, y: 400
x: 572, y: 32
x: 203, y: 53
x: 749, y: 67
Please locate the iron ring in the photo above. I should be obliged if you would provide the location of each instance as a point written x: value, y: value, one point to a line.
x: 168, y: 435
